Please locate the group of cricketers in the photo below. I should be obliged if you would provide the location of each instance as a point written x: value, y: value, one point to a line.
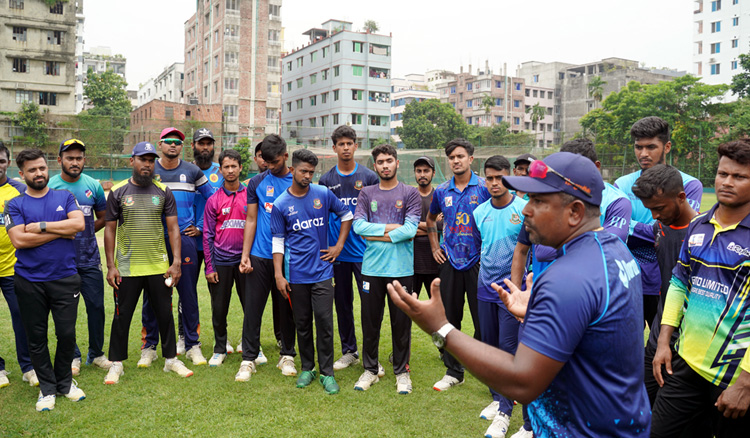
x: 561, y: 272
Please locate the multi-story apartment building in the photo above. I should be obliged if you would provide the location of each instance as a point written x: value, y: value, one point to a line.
x: 546, y: 75
x: 232, y: 50
x: 168, y: 86
x: 80, y: 20
x: 718, y: 39
x: 542, y: 125
x: 37, y: 55
x: 339, y: 77
x: 99, y: 60
x: 413, y: 87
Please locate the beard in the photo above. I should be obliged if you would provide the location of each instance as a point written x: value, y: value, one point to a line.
x: 143, y: 180
x: 37, y: 185
x: 203, y: 159
x: 74, y: 174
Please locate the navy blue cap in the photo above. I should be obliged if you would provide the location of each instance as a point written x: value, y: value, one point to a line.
x: 577, y: 168
x: 144, y: 148
x: 70, y: 143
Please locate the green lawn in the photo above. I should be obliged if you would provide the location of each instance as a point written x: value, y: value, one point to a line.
x: 708, y: 201
x: 149, y: 401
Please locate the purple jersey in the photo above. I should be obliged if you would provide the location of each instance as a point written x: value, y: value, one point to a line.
x: 223, y: 227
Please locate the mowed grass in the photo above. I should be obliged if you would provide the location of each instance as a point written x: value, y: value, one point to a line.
x: 152, y: 402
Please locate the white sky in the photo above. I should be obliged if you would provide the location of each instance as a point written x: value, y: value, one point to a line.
x: 427, y: 35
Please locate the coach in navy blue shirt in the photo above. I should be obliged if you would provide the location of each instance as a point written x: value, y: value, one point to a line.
x: 580, y: 349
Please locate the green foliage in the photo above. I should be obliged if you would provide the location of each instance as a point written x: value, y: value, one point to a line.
x: 430, y: 125
x: 247, y: 152
x: 103, y: 136
x: 498, y: 134
x: 106, y: 92
x: 596, y: 88
x: 51, y: 3
x: 371, y: 26
x: 741, y: 81
x: 31, y: 120
x: 487, y: 104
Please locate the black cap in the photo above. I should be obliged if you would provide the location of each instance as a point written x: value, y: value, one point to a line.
x: 425, y: 160
x: 202, y: 133
x: 73, y: 142
x: 524, y: 157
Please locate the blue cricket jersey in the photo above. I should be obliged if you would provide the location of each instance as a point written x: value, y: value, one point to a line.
x: 263, y: 189
x: 586, y: 311
x: 347, y: 189
x: 215, y: 181
x: 498, y: 228
x: 184, y: 181
x: 90, y: 196
x: 302, y: 223
x: 460, y: 243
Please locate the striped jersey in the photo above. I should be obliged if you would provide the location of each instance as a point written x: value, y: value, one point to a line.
x: 184, y: 181
x: 141, y: 249
x: 8, y: 190
x: 215, y: 181
x: 223, y: 227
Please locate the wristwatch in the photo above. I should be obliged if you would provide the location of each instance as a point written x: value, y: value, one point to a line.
x: 438, y: 338
x: 43, y: 226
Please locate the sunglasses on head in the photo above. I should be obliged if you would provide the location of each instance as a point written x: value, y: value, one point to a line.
x: 73, y: 141
x: 539, y: 169
x: 175, y: 141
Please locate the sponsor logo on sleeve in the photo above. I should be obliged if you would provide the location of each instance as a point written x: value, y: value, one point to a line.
x: 696, y: 240
x: 214, y: 178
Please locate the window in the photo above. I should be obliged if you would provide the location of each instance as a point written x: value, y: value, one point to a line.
x: 528, y: 92
x: 736, y: 21
x: 468, y: 86
x: 715, y: 5
x: 516, y: 120
x: 469, y: 104
x: 453, y: 90
x: 357, y: 94
x: 735, y: 43
x: 231, y: 85
x: 324, y: 74
x: 216, y: 36
x: 499, y: 84
x: 325, y: 51
x: 231, y: 112
x: 356, y: 119
x: 313, y: 78
x: 550, y: 95
x: 516, y: 104
x: 716, y: 26
x: 216, y: 87
x: 536, y: 93
x: 233, y: 57
x: 535, y: 78
x: 19, y: 33
x: 20, y: 65
x: 715, y: 48
x: 207, y: 20
x: 289, y: 86
x: 715, y: 69
x: 313, y: 56
x: 216, y: 62
x: 57, y: 8
x: 498, y: 119
x: 377, y: 49
x: 272, y: 114
x: 498, y: 101
x: 273, y: 35
x: 205, y: 68
x: 55, y: 37
x: 379, y: 120
x: 52, y: 68
x: 336, y: 71
x: 205, y: 91
x: 289, y: 66
x: 734, y: 2
x: 517, y: 86
x: 734, y: 65
x: 357, y: 70
x: 337, y: 47
x: 323, y: 120
x: 289, y: 106
x: 357, y: 47
x: 169, y: 112
x: 313, y: 123
x: 299, y: 103
x: 47, y: 98
x: 313, y: 100
x: 231, y: 30
x: 233, y: 4
x: 335, y: 96
x: 274, y: 10
x: 335, y: 119
x: 24, y: 96
x: 16, y: 4
x: 377, y: 96
x: 300, y: 61
x: 273, y: 87
x: 324, y: 98
x: 205, y: 44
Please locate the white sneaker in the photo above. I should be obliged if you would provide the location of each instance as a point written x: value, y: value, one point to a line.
x: 30, y: 376
x: 499, y: 426
x: 180, y: 345
x: 196, y: 355
x: 381, y: 370
x: 45, y: 402
x: 523, y: 433
x: 217, y: 359
x: 345, y: 361
x: 114, y: 373
x: 286, y: 365
x: 177, y: 366
x: 403, y: 383
x: 261, y: 359
x: 247, y: 368
x: 75, y: 393
x: 102, y: 362
x: 229, y: 348
x: 75, y: 366
x: 239, y: 348
x: 446, y: 383
x: 4, y: 379
x: 147, y: 356
x: 365, y: 381
x: 490, y: 412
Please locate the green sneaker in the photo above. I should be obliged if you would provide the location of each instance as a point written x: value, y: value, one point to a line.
x: 329, y: 384
x: 306, y: 378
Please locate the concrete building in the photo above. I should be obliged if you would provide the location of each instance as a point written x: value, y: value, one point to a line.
x: 37, y: 55
x: 167, y: 86
x: 437, y: 78
x: 147, y: 121
x: 339, y: 77
x: 546, y: 75
x: 146, y: 92
x: 80, y: 72
x: 543, y: 127
x: 232, y: 51
x: 718, y: 39
x: 403, y: 92
x: 100, y: 59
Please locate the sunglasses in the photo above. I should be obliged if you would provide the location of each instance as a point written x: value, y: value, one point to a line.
x: 73, y: 141
x: 539, y: 169
x: 175, y: 141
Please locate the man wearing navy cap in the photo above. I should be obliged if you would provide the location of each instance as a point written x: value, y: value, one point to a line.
x: 521, y: 168
x: 580, y: 348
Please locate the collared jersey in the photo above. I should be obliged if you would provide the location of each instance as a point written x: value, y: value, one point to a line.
x: 224, y: 227
x: 586, y: 311
x: 498, y: 228
x: 139, y: 211
x: 8, y: 190
x: 347, y: 188
x: 640, y: 240
x: 302, y: 222
x: 460, y: 243
x: 376, y: 208
x: 90, y: 196
x: 215, y: 182
x: 52, y: 260
x: 184, y: 181
x: 713, y: 271
x: 263, y: 189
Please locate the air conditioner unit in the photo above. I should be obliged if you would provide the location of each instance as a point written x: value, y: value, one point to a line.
x: 193, y: 101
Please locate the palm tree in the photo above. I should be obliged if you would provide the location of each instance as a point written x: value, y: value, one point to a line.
x: 596, y: 88
x: 487, y: 104
x: 537, y: 113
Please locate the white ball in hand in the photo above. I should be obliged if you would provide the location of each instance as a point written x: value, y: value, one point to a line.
x: 168, y: 281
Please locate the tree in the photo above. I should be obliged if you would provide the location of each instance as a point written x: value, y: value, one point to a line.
x: 31, y: 120
x: 487, y: 104
x: 596, y: 88
x: 106, y: 92
x: 741, y: 81
x: 247, y: 152
x: 537, y: 113
x: 371, y: 26
x: 430, y: 125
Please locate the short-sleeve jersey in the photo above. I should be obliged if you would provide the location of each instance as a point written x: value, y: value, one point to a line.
x: 90, y: 196
x: 586, y: 311
x: 8, y: 190
x: 303, y: 224
x: 460, y: 243
x: 224, y: 227
x: 375, y: 209
x: 714, y: 264
x: 141, y: 248
x: 263, y: 189
x: 53, y: 260
x: 347, y: 189
x: 215, y: 181
x: 499, y: 228
x: 424, y: 262
x: 186, y: 182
